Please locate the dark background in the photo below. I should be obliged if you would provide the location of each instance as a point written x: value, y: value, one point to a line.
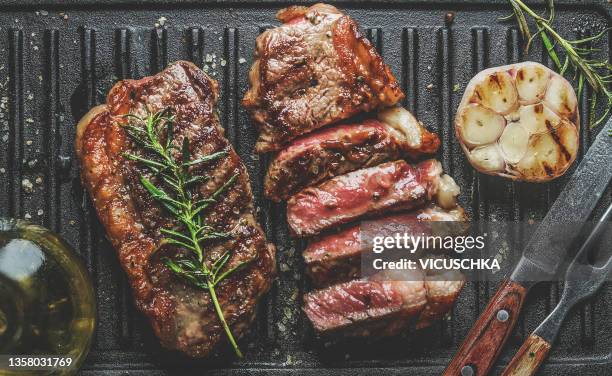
x: 57, y: 63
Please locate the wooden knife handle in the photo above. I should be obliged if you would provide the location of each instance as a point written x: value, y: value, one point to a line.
x: 487, y: 337
x: 528, y: 358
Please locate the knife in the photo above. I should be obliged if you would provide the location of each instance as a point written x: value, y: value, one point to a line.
x: 582, y: 279
x: 541, y: 258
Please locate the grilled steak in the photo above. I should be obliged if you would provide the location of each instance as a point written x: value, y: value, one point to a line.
x: 382, y: 307
x: 343, y: 148
x: 391, y: 186
x: 315, y: 69
x: 182, y: 316
x: 337, y: 257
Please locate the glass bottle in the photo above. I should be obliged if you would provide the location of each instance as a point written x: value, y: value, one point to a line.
x: 47, y: 302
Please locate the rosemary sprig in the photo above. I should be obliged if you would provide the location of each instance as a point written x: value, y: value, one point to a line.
x: 596, y: 73
x: 175, y: 194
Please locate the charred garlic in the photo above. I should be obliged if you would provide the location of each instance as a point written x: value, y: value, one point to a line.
x: 519, y: 121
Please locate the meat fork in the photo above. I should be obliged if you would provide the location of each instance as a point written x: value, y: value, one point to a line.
x: 582, y: 280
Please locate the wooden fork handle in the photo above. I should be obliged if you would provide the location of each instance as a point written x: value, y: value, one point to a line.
x: 485, y: 340
x: 528, y: 358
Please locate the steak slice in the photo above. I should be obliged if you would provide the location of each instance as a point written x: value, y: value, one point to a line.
x: 315, y: 69
x: 182, y: 316
x: 383, y: 307
x: 391, y: 186
x: 344, y: 148
x: 336, y: 257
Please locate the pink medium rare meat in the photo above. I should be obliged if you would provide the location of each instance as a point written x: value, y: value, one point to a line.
x: 392, y: 186
x: 380, y: 307
x: 344, y: 148
x: 336, y: 257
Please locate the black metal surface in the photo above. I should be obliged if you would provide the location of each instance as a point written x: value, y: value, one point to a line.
x: 553, y: 238
x: 54, y: 66
x: 582, y: 279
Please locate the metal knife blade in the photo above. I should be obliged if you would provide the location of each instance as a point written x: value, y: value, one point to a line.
x: 550, y: 241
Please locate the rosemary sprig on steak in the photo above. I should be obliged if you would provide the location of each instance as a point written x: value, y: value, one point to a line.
x: 596, y: 73
x: 156, y: 139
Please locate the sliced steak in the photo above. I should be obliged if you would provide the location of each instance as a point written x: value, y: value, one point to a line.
x: 391, y: 186
x: 336, y: 257
x: 382, y: 307
x: 182, y: 316
x: 315, y: 69
x: 344, y: 148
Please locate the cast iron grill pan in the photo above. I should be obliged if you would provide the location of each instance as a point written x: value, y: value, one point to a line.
x: 57, y: 62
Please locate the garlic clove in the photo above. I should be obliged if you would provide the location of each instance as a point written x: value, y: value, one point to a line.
x: 497, y: 92
x: 487, y: 158
x: 531, y: 82
x: 513, y: 142
x: 479, y: 125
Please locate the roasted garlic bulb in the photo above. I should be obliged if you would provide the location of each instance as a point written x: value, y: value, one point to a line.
x: 519, y: 121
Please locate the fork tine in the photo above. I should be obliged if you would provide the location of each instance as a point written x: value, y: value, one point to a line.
x: 588, y: 243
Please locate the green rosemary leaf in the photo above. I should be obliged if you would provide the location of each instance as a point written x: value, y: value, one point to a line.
x: 565, y: 66
x: 192, y: 266
x: 133, y: 128
x: 197, y: 179
x: 147, y: 162
x: 203, y: 228
x: 169, y: 134
x: 175, y: 234
x: 235, y: 269
x: 521, y: 21
x: 173, y: 266
x: 587, y: 71
x: 551, y: 10
x: 172, y: 183
x: 591, y: 38
x: 506, y: 18
x: 173, y: 241
x: 550, y: 48
x: 224, y: 187
x: 185, y: 149
x: 203, y: 206
x: 206, y: 158
x: 214, y: 235
x: 580, y: 86
x: 216, y: 194
x: 158, y: 193
x: 219, y: 264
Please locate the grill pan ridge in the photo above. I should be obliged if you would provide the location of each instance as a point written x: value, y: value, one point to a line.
x: 57, y: 63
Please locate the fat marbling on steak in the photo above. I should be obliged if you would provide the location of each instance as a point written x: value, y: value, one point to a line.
x: 337, y: 257
x: 315, y: 69
x: 388, y: 187
x: 182, y: 316
x: 384, y: 304
x: 343, y: 148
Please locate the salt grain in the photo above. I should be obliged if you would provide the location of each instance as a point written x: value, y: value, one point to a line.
x: 27, y: 185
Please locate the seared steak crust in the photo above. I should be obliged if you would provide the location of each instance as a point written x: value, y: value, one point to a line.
x: 315, y: 69
x: 182, y: 316
x: 391, y: 186
x: 336, y: 257
x: 334, y: 151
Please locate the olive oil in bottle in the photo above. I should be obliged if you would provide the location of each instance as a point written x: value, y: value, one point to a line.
x: 47, y: 302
